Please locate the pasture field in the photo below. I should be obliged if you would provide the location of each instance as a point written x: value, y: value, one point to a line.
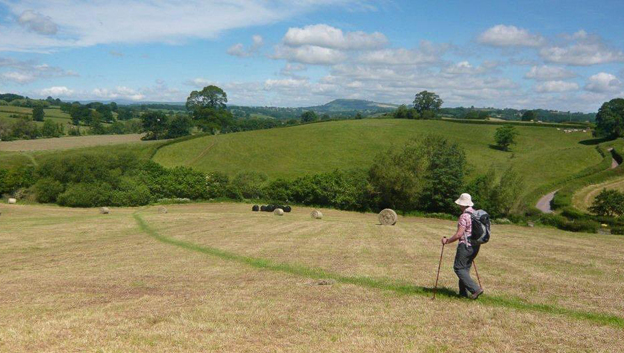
x: 53, y: 113
x: 219, y: 278
x: 585, y: 197
x: 542, y: 155
x: 70, y: 142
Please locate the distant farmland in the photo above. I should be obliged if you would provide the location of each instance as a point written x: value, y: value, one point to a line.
x: 542, y: 155
x: 66, y: 143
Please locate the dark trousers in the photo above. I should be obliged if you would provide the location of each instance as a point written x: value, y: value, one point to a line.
x: 463, y: 262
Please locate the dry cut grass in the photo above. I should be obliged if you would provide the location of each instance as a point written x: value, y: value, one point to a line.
x: 585, y: 197
x: 219, y: 278
x: 66, y: 143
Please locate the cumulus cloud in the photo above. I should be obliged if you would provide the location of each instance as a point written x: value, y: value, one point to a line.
x: 310, y: 54
x: 556, y: 86
x: 24, y: 72
x: 56, y: 91
x: 88, y: 23
x: 582, y: 49
x: 603, y: 83
x: 322, y: 35
x: 549, y: 73
x: 240, y: 51
x: 510, y: 36
x: 38, y: 23
x: 427, y: 53
x: 120, y: 92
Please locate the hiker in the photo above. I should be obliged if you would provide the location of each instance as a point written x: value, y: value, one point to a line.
x: 466, y: 252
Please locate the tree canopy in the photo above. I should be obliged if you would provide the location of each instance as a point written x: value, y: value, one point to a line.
x: 209, y: 97
x: 505, y: 136
x: 529, y: 115
x: 610, y: 118
x: 427, y: 101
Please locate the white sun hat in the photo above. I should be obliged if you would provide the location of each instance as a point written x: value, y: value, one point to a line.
x: 465, y: 200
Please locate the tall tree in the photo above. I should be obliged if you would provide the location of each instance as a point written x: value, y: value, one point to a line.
x: 38, y: 113
x: 505, y: 136
x: 209, y: 97
x: 610, y: 118
x: 155, y: 123
x: 308, y: 116
x: 529, y: 115
x: 427, y: 101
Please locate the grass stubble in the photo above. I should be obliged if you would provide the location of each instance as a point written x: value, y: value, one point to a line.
x: 74, y: 281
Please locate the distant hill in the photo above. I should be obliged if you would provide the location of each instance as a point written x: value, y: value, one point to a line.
x: 346, y: 105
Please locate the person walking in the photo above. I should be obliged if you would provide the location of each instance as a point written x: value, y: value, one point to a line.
x: 466, y: 252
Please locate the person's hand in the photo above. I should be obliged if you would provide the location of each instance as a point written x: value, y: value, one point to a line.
x: 444, y: 240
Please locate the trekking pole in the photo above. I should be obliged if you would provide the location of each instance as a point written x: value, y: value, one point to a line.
x: 438, y: 276
x: 477, y: 272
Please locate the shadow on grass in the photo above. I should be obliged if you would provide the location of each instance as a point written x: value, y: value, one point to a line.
x: 379, y: 283
x: 596, y: 141
x: 498, y: 148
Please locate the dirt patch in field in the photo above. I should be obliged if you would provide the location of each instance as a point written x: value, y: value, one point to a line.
x: 65, y: 143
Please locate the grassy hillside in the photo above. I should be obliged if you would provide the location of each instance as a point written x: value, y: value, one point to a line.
x: 53, y: 113
x: 217, y: 277
x: 542, y: 154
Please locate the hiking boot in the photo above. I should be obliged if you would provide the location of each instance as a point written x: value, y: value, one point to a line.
x: 476, y: 294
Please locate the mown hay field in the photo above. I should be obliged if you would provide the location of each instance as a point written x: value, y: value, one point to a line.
x: 219, y: 278
x: 542, y: 155
x: 69, y: 142
x: 585, y: 197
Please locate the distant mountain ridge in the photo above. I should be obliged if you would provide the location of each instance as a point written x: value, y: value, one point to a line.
x: 342, y: 105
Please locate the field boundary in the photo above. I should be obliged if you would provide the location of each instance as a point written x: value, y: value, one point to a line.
x: 377, y: 283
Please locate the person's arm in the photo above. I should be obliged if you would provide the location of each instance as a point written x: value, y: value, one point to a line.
x: 457, y: 236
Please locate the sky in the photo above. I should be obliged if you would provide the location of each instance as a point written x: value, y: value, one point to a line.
x: 563, y: 55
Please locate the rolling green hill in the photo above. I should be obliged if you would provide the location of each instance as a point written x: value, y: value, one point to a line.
x: 542, y: 155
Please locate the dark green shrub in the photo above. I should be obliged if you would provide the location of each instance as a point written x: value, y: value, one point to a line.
x: 278, y: 191
x: 247, y: 185
x: 582, y: 225
x: 47, y: 190
x: 131, y: 193
x: 86, y: 195
x: 572, y: 213
x: 217, y: 185
x: 617, y: 230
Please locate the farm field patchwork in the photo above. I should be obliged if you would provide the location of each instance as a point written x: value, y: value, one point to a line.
x: 70, y: 142
x: 542, y: 155
x: 585, y: 197
x: 217, y: 277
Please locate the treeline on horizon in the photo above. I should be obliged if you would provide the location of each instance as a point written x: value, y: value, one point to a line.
x: 337, y: 109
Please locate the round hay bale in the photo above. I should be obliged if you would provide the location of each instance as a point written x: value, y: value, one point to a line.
x: 287, y: 209
x: 12, y: 201
x: 255, y: 208
x: 278, y: 212
x: 263, y: 208
x: 104, y: 210
x: 316, y: 214
x: 162, y: 209
x: 271, y: 208
x: 388, y: 217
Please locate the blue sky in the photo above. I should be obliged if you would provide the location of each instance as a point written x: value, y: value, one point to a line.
x: 565, y: 55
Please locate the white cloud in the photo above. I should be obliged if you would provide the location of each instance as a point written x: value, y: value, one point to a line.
x: 426, y: 54
x: 510, y: 36
x: 556, y: 86
x: 24, y: 72
x: 582, y: 49
x: 38, y: 23
x: 322, y: 35
x: 56, y: 91
x: 310, y: 54
x: 549, y: 73
x: 240, y: 51
x: 120, y: 92
x: 603, y: 83
x: 88, y: 23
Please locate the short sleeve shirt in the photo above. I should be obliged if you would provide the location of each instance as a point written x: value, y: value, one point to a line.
x: 466, y: 222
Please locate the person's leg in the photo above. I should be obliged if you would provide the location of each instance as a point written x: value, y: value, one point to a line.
x: 462, y: 289
x: 463, y: 262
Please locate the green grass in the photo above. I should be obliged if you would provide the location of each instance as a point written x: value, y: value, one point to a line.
x: 543, y: 155
x: 377, y: 283
x: 53, y: 113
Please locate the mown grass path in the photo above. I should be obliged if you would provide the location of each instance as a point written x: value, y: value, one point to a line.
x: 379, y: 283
